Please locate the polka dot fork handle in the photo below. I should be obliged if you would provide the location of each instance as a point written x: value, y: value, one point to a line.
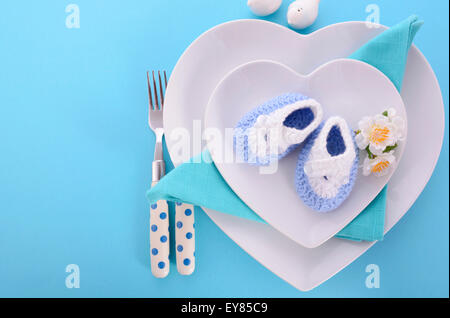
x: 159, y: 211
x: 159, y: 239
x: 185, y: 238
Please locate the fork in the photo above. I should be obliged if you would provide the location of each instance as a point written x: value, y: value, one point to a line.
x: 159, y: 211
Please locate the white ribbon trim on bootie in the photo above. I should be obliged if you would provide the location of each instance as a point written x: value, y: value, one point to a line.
x: 328, y: 173
x: 268, y: 136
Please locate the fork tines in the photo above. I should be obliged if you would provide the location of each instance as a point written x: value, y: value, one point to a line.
x: 156, y: 100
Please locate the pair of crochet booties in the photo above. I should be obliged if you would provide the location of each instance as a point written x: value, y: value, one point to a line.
x: 328, y: 162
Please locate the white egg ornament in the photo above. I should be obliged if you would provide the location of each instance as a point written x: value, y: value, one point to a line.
x: 302, y: 13
x: 264, y: 7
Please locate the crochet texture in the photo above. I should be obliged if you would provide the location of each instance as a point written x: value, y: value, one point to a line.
x: 335, y: 146
x: 295, y: 122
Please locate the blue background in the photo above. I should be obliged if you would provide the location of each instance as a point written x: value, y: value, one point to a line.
x: 75, y: 156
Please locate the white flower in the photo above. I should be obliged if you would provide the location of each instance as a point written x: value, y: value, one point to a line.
x: 380, y: 131
x: 380, y: 165
x: 398, y: 122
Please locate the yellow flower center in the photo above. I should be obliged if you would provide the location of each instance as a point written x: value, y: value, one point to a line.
x: 382, y: 165
x: 379, y: 134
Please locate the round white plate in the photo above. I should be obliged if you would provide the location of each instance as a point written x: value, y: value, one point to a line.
x: 344, y: 87
x: 223, y: 48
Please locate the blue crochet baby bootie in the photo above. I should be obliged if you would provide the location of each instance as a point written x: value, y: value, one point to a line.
x: 327, y: 166
x: 272, y: 130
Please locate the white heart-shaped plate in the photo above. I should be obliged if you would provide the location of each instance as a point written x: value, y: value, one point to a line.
x: 344, y: 87
x: 221, y: 49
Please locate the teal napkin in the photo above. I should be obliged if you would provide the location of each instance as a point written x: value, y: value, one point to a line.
x: 387, y: 52
x: 198, y: 181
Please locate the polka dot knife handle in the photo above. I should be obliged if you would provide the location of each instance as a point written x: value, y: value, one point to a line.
x: 159, y: 239
x: 185, y: 238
